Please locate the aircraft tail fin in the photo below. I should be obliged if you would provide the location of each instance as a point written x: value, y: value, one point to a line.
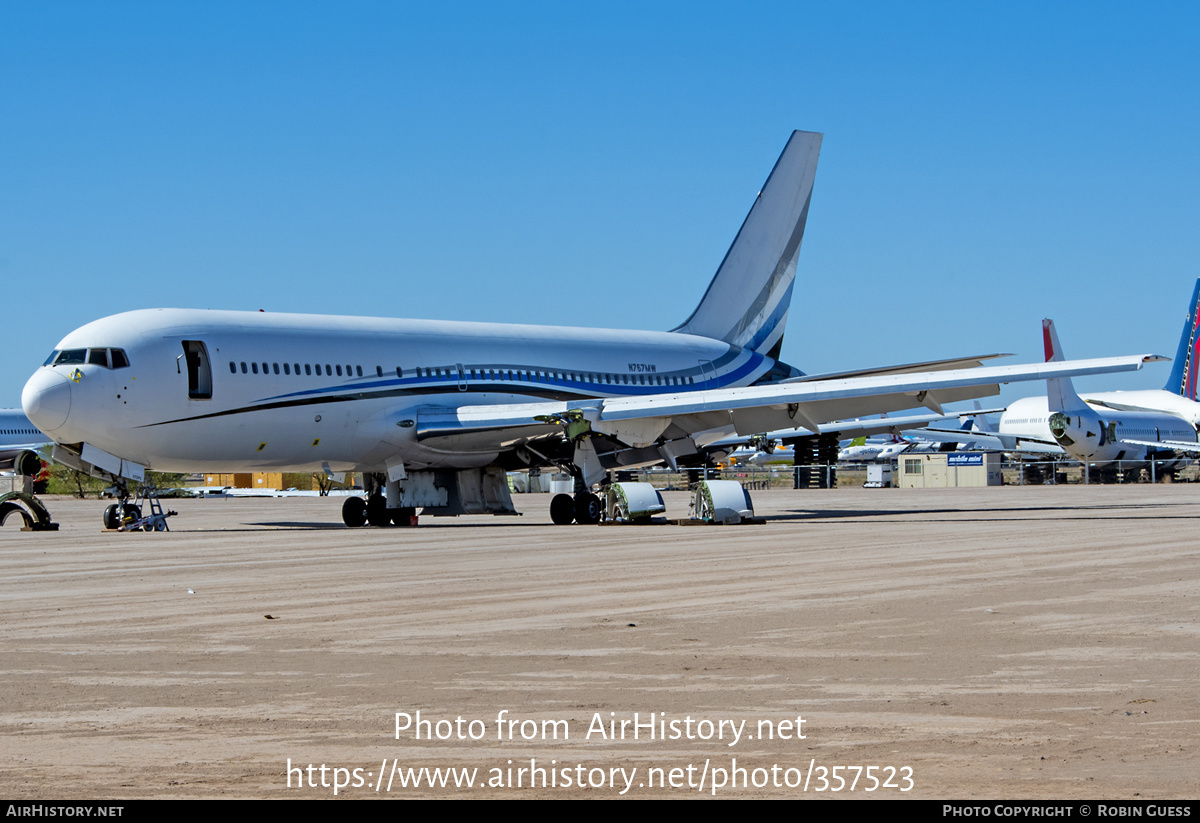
x: 747, y: 301
x: 1060, y: 392
x: 979, y: 422
x: 1183, y: 371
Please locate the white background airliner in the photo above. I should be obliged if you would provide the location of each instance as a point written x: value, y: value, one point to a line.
x: 1126, y: 426
x: 1101, y: 429
x: 19, y: 442
x: 434, y: 413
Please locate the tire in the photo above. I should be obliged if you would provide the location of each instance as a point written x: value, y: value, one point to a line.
x: 111, y: 519
x: 377, y: 513
x: 131, y: 512
x: 588, y: 509
x: 562, y: 510
x: 354, y: 512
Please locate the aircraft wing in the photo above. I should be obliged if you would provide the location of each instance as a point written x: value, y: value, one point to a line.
x: 852, y: 428
x: 16, y: 448
x: 1173, y: 445
x: 902, y: 368
x: 705, y: 416
x: 994, y: 441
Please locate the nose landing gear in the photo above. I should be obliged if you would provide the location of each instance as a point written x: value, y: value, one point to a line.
x: 127, y: 517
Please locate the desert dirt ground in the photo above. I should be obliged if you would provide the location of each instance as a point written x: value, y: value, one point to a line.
x: 1001, y: 643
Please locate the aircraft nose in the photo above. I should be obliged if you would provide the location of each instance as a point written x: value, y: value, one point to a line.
x: 46, y: 399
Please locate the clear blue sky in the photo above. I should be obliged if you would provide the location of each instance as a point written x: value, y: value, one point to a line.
x: 984, y: 165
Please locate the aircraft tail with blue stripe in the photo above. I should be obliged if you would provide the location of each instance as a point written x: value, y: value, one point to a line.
x: 747, y: 301
x: 1183, y: 371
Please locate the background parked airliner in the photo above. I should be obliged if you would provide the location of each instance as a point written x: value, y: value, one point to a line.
x: 434, y: 413
x: 1098, y: 433
x: 19, y: 442
x: 1147, y: 422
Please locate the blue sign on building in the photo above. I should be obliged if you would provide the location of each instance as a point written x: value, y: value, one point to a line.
x: 964, y: 460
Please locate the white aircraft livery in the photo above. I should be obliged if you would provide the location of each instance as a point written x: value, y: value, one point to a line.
x: 1089, y: 431
x: 434, y: 413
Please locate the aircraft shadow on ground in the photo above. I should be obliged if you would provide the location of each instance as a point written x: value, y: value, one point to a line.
x: 981, y: 515
x: 947, y: 514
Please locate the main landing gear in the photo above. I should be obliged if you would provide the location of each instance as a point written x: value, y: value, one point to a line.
x: 358, y: 512
x: 584, y: 507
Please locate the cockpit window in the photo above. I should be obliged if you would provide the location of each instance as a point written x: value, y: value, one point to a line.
x: 68, y: 357
x: 107, y: 358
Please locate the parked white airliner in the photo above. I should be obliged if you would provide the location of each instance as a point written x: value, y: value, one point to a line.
x: 434, y: 413
x: 1091, y: 432
x: 1025, y: 425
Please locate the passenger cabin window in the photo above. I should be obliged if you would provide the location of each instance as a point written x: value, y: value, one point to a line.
x: 199, y: 370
